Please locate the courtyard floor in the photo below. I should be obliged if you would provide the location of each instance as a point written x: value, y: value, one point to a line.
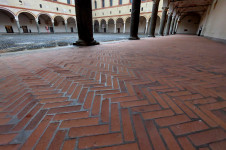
x: 164, y: 93
x: 16, y: 42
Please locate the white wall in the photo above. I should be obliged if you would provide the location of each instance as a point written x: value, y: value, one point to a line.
x: 31, y: 25
x: 188, y: 24
x: 214, y: 22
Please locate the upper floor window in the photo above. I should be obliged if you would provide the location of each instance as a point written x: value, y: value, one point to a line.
x: 103, y: 3
x: 120, y: 2
x: 68, y: 1
x: 131, y: 1
x: 55, y: 0
x: 40, y: 5
x: 95, y: 4
x: 111, y: 2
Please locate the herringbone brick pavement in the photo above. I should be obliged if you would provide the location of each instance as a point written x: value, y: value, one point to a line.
x: 165, y: 93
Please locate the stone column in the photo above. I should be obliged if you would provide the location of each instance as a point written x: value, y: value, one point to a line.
x: 53, y: 26
x: 84, y: 23
x: 18, y: 25
x: 135, y: 17
x: 168, y: 24
x: 124, y: 27
x: 106, y: 28
x: 175, y: 24
x: 37, y: 25
x: 146, y: 27
x: 115, y: 29
x: 99, y: 27
x: 172, y: 25
x: 93, y: 27
x: 153, y: 18
x: 65, y: 22
x: 163, y: 21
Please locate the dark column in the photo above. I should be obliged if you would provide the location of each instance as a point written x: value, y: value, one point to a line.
x: 84, y: 23
x: 172, y: 25
x: 135, y: 17
x: 168, y: 24
x: 163, y: 20
x: 153, y: 18
x: 175, y: 24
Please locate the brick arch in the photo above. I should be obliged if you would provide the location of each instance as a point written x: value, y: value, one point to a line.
x: 11, y: 12
x: 45, y: 14
x: 25, y: 11
x: 59, y: 16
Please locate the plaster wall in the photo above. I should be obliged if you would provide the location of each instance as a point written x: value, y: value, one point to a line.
x: 5, y: 20
x: 188, y: 24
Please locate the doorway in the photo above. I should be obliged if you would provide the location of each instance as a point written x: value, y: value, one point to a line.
x: 118, y: 30
x: 25, y: 30
x: 72, y: 30
x: 51, y: 29
x: 9, y: 29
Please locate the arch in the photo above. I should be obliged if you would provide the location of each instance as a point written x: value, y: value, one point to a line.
x: 111, y: 25
x: 25, y: 11
x: 11, y: 12
x: 45, y: 23
x: 142, y: 25
x: 189, y: 23
x: 27, y: 22
x: 165, y: 3
x: 128, y: 21
x: 71, y: 24
x: 59, y: 24
x: 45, y: 14
x: 96, y: 26
x: 103, y: 25
x: 119, y: 25
x: 8, y: 22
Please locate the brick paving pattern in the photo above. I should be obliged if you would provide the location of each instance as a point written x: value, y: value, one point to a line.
x: 165, y: 93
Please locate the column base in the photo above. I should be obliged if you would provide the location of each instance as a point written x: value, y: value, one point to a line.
x: 134, y: 38
x: 151, y: 35
x: 84, y: 43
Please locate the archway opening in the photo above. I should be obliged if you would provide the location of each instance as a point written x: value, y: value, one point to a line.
x: 45, y: 23
x: 27, y: 22
x: 8, y: 22
x: 142, y: 25
x: 157, y: 25
x: 119, y: 25
x: 111, y: 26
x: 188, y: 24
x: 71, y: 24
x: 96, y: 26
x: 59, y: 24
x: 128, y: 21
x: 103, y: 26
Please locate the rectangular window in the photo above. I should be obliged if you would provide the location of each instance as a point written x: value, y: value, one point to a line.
x: 111, y: 2
x: 68, y: 1
x: 103, y: 3
x: 40, y: 5
x: 95, y: 4
x: 120, y: 2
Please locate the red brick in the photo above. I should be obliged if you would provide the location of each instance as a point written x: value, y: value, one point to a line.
x: 134, y: 103
x: 36, y: 120
x: 52, y: 100
x: 105, y: 111
x: 99, y: 140
x: 7, y: 138
x: 58, y: 140
x: 141, y: 134
x: 64, y: 109
x: 124, y: 99
x: 172, y: 104
x: 74, y: 115
x: 159, y: 99
x: 10, y: 147
x: 172, y: 120
x: 131, y: 146
x: 76, y: 92
x: 157, y: 114
x: 69, y: 145
x: 185, y: 143
x: 89, y: 130
x: 96, y: 105
x: 218, y: 145
x: 82, y: 95
x: 154, y: 135
x: 169, y: 139
x: 46, y: 137
x: 179, y: 93
x: 206, y: 137
x: 88, y: 101
x: 115, y: 122
x: 79, y: 122
x: 146, y: 108
x: 126, y: 125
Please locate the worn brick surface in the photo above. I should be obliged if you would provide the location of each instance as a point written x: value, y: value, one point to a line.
x: 163, y: 93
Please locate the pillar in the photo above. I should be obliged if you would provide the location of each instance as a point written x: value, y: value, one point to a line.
x: 153, y: 18
x: 93, y: 27
x: 172, y: 25
x: 163, y: 21
x: 106, y: 27
x: 99, y: 27
x: 18, y: 25
x: 37, y: 25
x: 135, y: 17
x: 84, y: 23
x: 115, y: 29
x: 175, y: 24
x: 65, y: 22
x: 124, y: 27
x: 53, y: 26
x: 146, y: 28
x: 168, y: 24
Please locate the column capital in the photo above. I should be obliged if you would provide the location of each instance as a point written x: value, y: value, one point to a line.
x: 65, y: 21
x: 165, y: 8
x: 156, y: 1
x: 36, y: 19
x: 16, y: 18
